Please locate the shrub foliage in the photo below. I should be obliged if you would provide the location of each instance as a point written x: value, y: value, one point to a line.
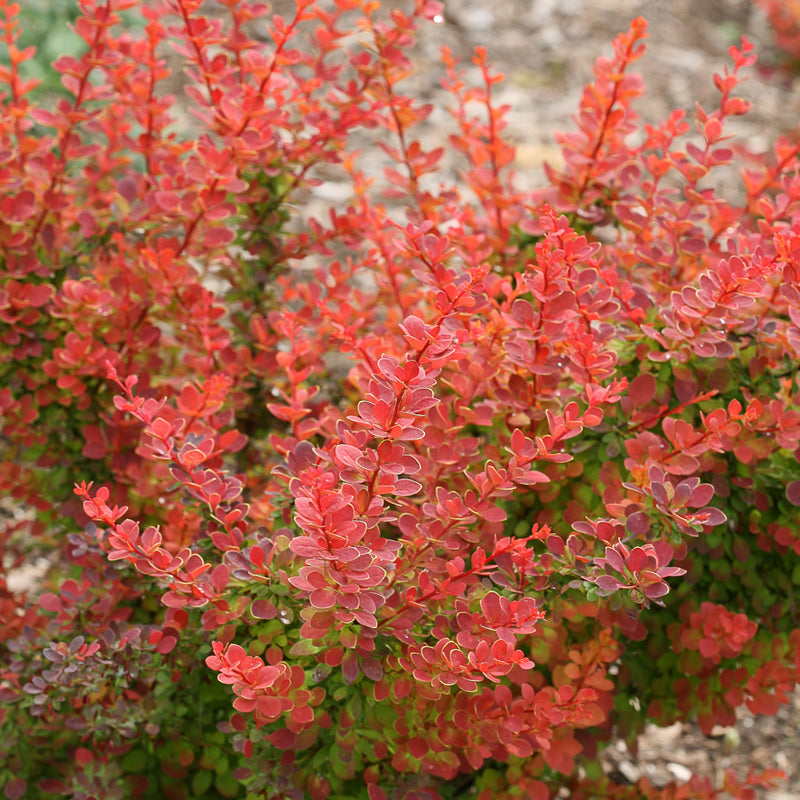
x: 438, y: 491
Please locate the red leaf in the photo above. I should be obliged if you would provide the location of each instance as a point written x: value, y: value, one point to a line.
x: 592, y: 417
x: 83, y: 756
x: 191, y: 458
x: 219, y: 577
x: 166, y: 645
x: 50, y: 602
x: 40, y: 295
x: 642, y: 390
x: 150, y: 540
x: 711, y: 516
x: 763, y: 703
x: 160, y: 428
x: 174, y: 600
x: 51, y: 786
x: 350, y: 667
x: 270, y: 707
x: 402, y: 687
x: 318, y: 788
x: 708, y: 648
x: 702, y: 495
x: 375, y: 792
x: 372, y: 668
x: 381, y: 690
x: 166, y: 201
x: 415, y: 330
x: 322, y: 598
x: 418, y: 747
x: 302, y: 714
x: 232, y: 441
x: 304, y: 546
x: 495, y: 514
x: 654, y: 590
x: 638, y: 523
x: 263, y: 609
x: 283, y: 739
x: 16, y: 788
x: 217, y: 237
x: 607, y: 583
x: 793, y: 493
x: 17, y: 209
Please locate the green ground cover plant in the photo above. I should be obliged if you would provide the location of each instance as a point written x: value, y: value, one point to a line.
x: 431, y: 497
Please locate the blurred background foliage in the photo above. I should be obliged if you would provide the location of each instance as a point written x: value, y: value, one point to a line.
x: 46, y: 25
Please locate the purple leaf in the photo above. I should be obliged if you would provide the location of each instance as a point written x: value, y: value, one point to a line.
x: 350, y: 668
x: 607, y: 583
x: 263, y: 609
x: 638, y: 523
x: 793, y: 493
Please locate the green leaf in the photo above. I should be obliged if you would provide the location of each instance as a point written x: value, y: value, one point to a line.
x: 222, y: 766
x: 201, y: 782
x: 61, y: 41
x: 304, y: 647
x: 227, y: 785
x: 134, y: 761
x: 355, y: 706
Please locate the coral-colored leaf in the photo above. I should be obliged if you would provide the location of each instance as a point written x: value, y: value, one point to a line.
x: 166, y: 645
x: 270, y: 707
x: 303, y: 714
x: 322, y: 598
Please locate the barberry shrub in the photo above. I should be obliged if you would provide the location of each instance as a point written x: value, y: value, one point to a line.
x: 784, y: 19
x: 435, y: 494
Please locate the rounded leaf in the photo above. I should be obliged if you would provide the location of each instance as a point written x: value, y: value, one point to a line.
x: 263, y: 609
x: 50, y: 602
x: 638, y: 523
x: 642, y: 389
x: 418, y: 747
x: 16, y: 788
